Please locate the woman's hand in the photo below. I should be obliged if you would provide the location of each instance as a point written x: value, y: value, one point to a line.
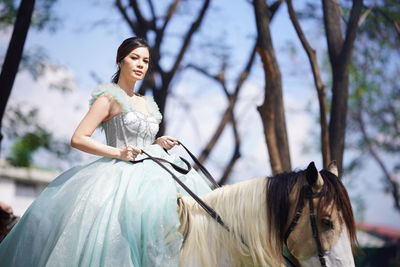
x: 129, y: 153
x: 166, y: 142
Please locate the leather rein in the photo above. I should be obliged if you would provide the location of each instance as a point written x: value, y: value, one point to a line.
x: 309, y: 195
x: 179, y: 169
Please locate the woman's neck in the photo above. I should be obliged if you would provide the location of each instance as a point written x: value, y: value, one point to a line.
x: 127, y: 86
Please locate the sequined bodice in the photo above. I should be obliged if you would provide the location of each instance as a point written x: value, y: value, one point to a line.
x: 131, y: 128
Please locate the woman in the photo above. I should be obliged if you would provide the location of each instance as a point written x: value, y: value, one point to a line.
x: 109, y: 212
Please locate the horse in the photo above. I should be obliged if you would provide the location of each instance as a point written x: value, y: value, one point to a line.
x: 264, y: 215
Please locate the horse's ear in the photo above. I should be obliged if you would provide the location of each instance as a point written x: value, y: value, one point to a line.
x: 314, y: 179
x: 332, y: 167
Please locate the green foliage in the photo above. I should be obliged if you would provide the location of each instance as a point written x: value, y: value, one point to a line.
x: 29, y: 136
x: 380, y: 23
x: 43, y: 15
x: 24, y: 147
x: 34, y: 59
x: 374, y: 100
x: 8, y: 12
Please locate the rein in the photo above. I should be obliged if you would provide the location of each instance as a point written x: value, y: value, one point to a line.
x: 204, y: 205
x: 309, y: 195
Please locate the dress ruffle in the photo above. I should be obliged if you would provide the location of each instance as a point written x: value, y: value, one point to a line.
x: 115, y: 91
x: 123, y: 99
x: 153, y: 108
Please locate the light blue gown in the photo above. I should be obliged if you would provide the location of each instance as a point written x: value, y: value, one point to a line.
x: 108, y: 212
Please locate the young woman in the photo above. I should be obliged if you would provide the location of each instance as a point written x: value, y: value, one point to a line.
x: 110, y: 212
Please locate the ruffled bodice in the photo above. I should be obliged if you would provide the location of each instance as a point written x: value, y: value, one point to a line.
x: 131, y: 127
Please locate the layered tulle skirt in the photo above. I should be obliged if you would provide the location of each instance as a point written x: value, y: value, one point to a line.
x: 106, y: 213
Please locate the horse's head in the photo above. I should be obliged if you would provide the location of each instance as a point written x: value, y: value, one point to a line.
x: 314, y: 217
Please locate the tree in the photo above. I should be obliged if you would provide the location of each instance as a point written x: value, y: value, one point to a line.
x: 272, y: 110
x: 23, y: 18
x: 340, y: 48
x: 374, y: 109
x: 14, y: 53
x: 228, y: 117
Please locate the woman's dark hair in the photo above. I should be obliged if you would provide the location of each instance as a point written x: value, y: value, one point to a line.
x: 124, y: 49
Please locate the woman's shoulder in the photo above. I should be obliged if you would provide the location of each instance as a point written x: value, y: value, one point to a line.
x: 113, y: 90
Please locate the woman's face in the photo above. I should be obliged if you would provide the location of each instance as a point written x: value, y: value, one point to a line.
x: 134, y: 66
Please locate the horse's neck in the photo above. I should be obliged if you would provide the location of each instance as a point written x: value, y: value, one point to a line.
x: 243, y: 209
x: 242, y: 198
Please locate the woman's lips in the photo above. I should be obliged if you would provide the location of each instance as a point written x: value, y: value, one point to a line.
x: 138, y: 72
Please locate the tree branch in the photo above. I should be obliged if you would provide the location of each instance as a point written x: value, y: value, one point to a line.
x: 227, y: 116
x: 236, y: 153
x: 125, y: 16
x: 351, y: 31
x: 395, y: 23
x: 319, y: 85
x: 333, y: 28
x: 170, y: 12
x: 153, y: 14
x: 219, y: 77
x: 395, y: 186
x: 143, y: 24
x: 195, y: 25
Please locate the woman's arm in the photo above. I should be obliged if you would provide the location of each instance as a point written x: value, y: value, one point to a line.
x: 81, y: 139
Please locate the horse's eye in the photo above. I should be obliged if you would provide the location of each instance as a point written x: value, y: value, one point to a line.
x: 327, y: 223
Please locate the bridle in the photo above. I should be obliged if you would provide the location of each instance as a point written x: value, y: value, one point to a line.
x: 308, y: 195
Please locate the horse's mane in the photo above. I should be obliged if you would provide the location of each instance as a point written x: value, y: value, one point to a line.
x: 238, y: 205
x: 283, y: 185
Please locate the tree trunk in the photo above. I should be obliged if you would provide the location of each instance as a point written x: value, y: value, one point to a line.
x: 340, y: 50
x: 272, y: 109
x: 14, y: 53
x: 337, y: 125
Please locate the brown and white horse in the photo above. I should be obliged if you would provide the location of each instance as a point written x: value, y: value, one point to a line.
x: 259, y: 213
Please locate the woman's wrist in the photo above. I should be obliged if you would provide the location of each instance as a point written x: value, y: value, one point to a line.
x: 117, y: 153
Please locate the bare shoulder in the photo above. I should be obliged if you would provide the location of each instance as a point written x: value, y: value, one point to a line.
x: 107, y: 102
x: 104, y: 100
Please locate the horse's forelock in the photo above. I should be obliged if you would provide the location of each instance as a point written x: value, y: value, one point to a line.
x: 335, y: 192
x: 282, y: 186
x: 279, y: 189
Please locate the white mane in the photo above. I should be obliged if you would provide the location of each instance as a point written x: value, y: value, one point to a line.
x: 242, y: 207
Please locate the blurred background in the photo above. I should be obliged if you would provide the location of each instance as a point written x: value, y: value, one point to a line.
x: 254, y: 88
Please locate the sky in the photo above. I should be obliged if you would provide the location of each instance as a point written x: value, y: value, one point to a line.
x: 86, y: 42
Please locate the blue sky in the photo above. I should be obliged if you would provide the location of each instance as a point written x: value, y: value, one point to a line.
x: 83, y: 48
